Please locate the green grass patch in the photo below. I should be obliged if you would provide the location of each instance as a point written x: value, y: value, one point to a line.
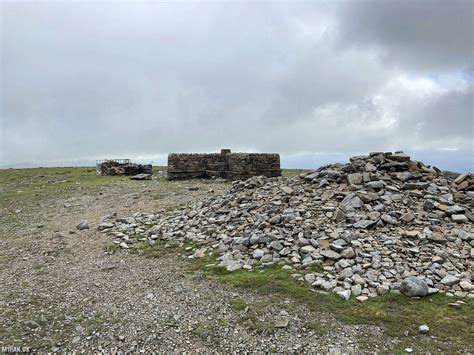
x: 205, y: 332
x: 309, y: 269
x: 399, y: 314
x: 157, y: 250
x: 112, y: 248
x: 18, y: 184
x: 238, y: 304
x: 317, y: 327
x: 163, y: 248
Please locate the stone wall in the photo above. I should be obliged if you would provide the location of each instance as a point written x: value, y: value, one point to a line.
x: 227, y: 165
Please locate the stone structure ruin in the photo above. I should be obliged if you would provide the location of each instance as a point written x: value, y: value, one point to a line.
x: 110, y: 167
x: 226, y: 165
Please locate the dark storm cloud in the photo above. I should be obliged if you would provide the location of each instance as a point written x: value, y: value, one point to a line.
x: 84, y: 80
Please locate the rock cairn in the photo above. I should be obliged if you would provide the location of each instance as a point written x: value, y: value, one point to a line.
x: 381, y: 223
x: 112, y: 168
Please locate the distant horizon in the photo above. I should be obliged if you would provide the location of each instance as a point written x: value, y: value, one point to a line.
x: 446, y: 161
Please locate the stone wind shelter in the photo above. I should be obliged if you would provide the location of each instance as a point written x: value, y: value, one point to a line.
x: 227, y: 165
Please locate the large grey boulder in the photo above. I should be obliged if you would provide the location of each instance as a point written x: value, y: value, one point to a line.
x: 414, y: 287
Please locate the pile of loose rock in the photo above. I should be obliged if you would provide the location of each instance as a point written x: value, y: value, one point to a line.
x: 113, y: 168
x: 378, y: 224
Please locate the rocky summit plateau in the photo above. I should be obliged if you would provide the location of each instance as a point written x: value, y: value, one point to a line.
x: 378, y: 224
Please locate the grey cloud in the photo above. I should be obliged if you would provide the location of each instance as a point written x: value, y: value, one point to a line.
x: 93, y: 79
x: 449, y: 116
x: 422, y: 35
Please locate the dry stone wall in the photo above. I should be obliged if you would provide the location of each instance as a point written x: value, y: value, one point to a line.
x: 227, y: 165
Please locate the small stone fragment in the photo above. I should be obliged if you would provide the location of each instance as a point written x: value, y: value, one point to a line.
x: 142, y: 176
x: 423, y: 329
x: 287, y: 190
x: 459, y: 218
x: 348, y: 253
x: 345, y: 294
x: 281, y: 322
x: 407, y: 217
x: 83, y: 225
x: 362, y: 298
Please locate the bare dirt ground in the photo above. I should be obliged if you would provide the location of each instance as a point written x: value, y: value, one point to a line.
x: 65, y: 289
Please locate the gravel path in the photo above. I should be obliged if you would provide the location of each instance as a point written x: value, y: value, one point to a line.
x: 61, y: 290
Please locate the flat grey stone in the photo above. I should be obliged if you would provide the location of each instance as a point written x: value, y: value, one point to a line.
x: 455, y: 210
x: 307, y: 249
x: 348, y: 253
x: 449, y: 280
x: 376, y: 185
x: 459, y: 218
x: 141, y: 177
x: 351, y: 202
x: 364, y: 224
x: 329, y: 254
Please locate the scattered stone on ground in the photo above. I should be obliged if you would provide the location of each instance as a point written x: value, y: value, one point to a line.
x: 66, y: 291
x: 381, y: 223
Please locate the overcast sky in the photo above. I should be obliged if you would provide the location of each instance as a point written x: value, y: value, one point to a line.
x: 314, y: 81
